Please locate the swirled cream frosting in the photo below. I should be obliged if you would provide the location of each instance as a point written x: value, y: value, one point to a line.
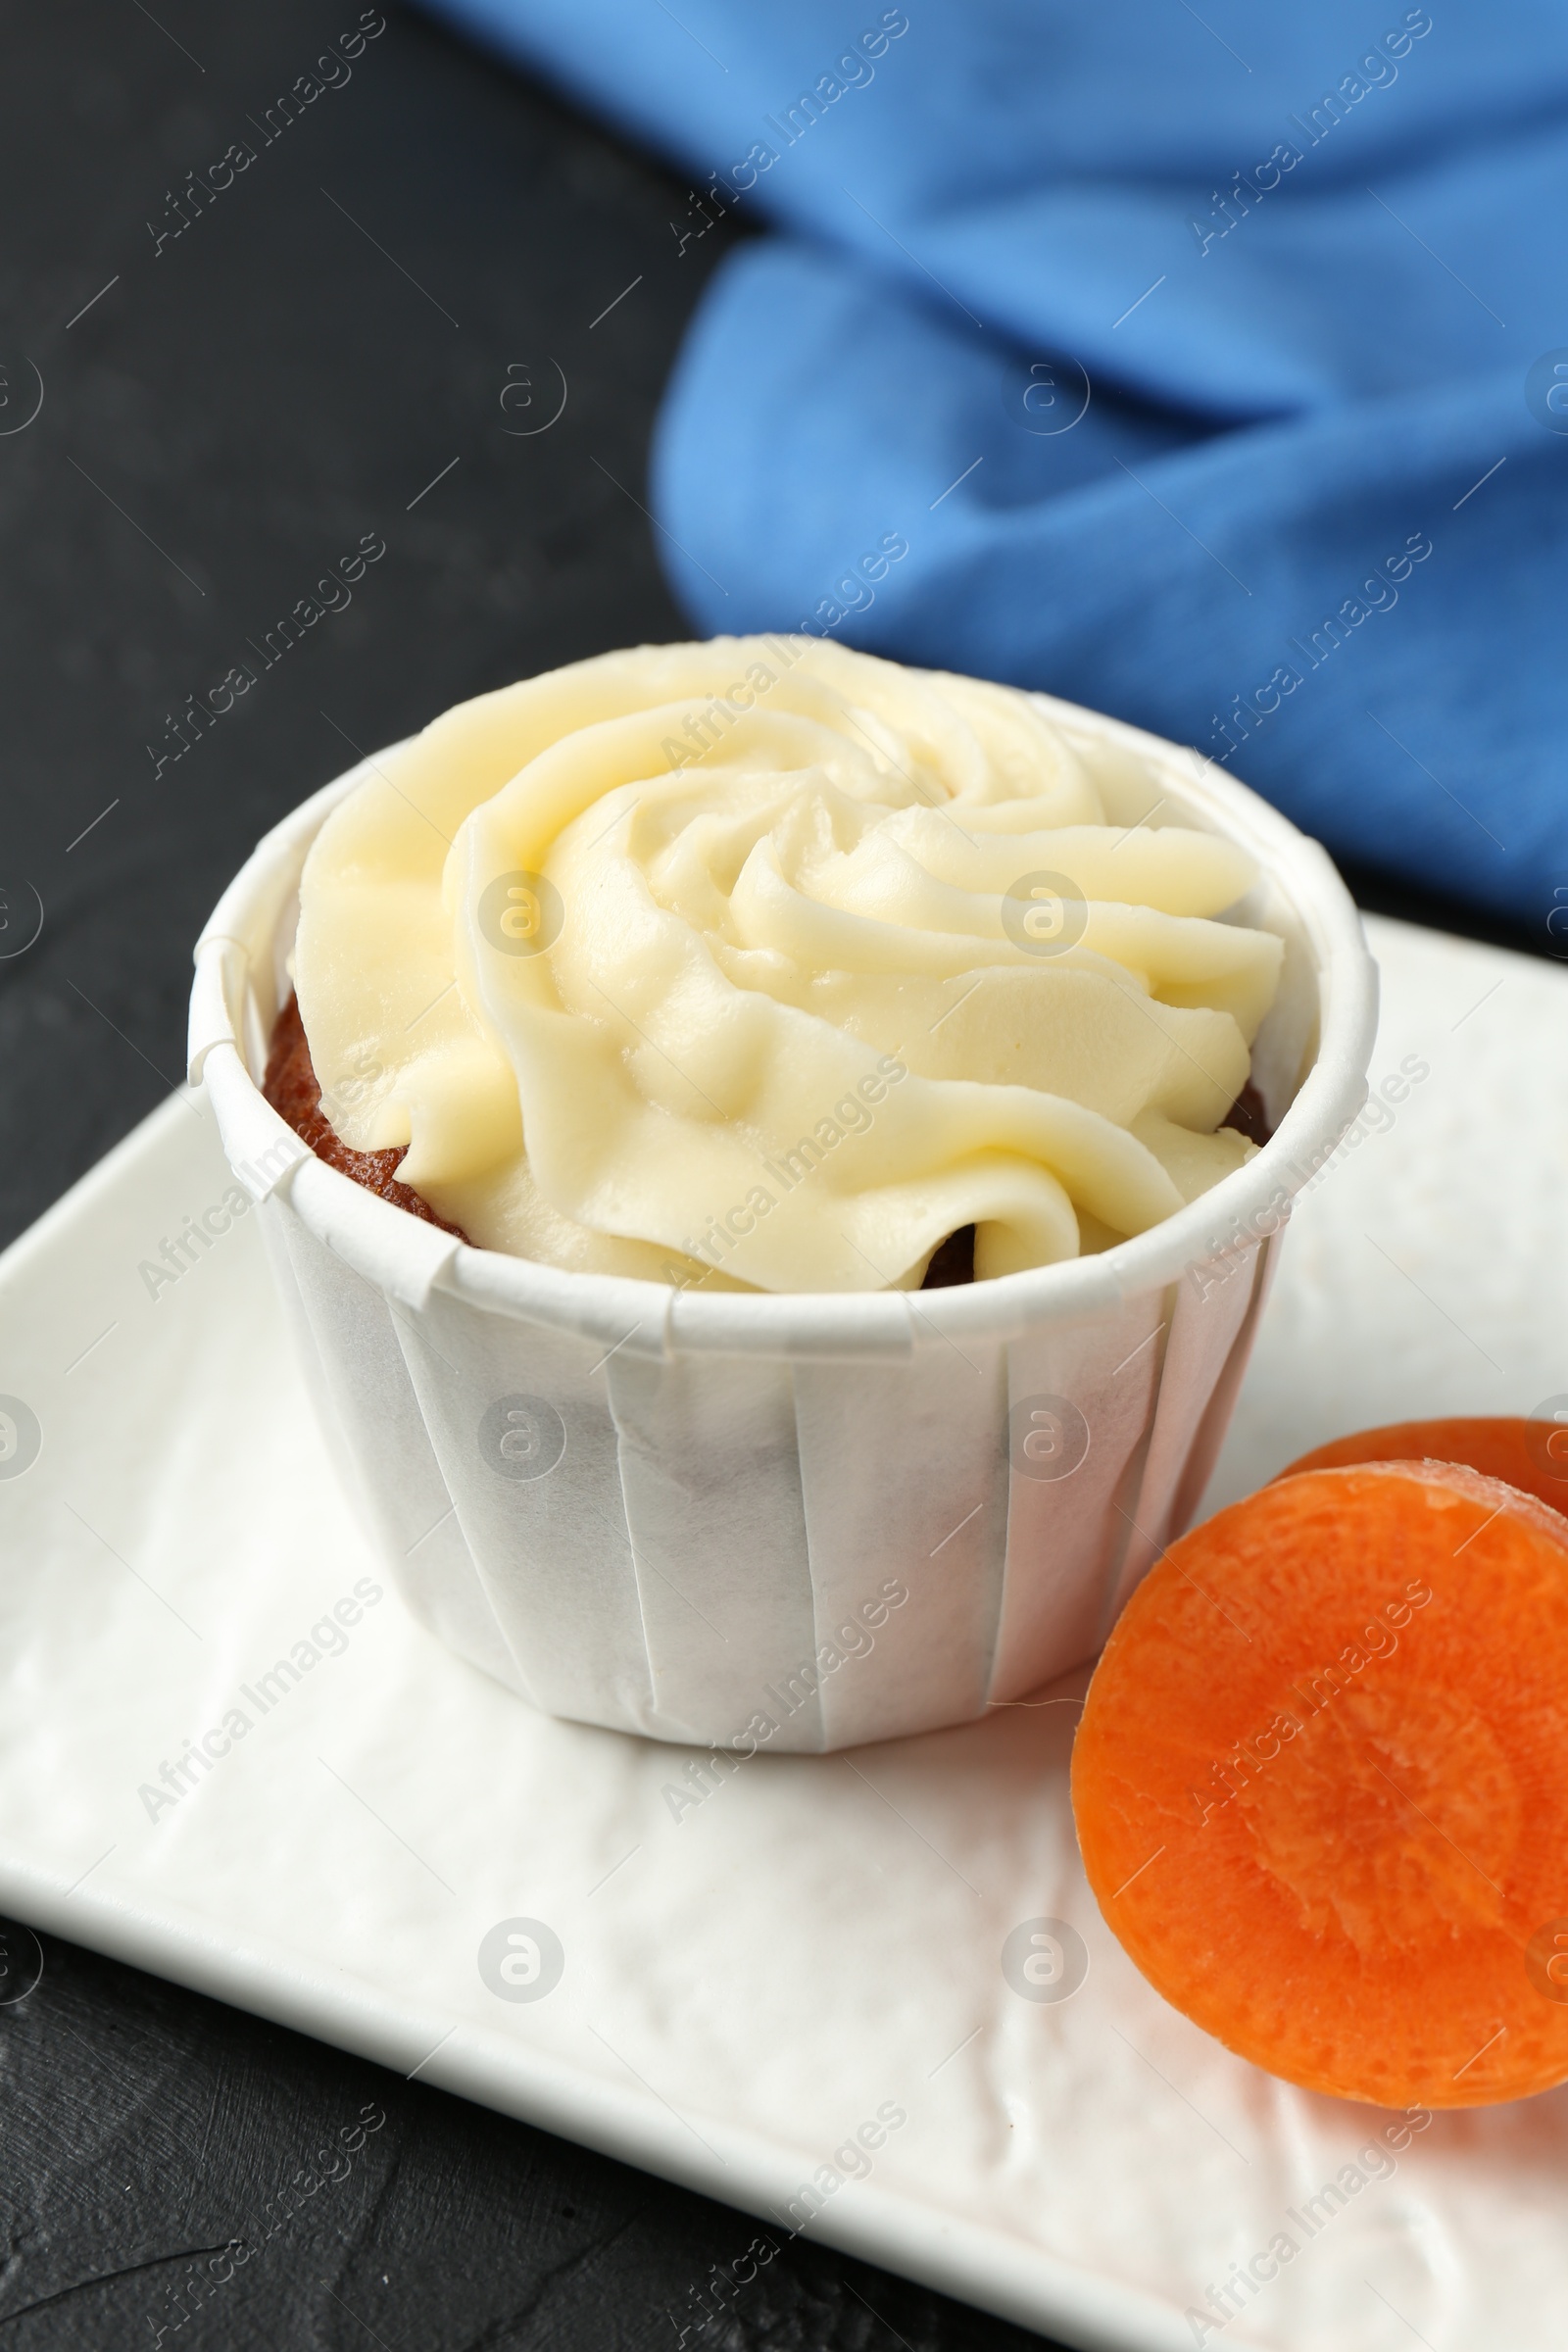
x: 766, y: 964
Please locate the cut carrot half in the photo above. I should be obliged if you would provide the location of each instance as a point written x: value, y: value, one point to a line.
x: 1532, y: 1455
x: 1321, y: 1784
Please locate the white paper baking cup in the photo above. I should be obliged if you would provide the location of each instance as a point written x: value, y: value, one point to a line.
x: 800, y: 1522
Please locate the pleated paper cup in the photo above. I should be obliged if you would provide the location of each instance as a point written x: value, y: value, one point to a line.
x: 795, y: 1522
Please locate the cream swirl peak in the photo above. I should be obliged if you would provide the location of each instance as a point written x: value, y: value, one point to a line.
x: 764, y: 964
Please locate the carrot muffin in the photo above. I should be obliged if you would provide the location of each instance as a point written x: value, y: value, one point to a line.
x: 763, y: 965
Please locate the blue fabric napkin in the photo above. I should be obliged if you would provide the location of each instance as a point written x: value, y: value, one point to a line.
x: 1209, y: 369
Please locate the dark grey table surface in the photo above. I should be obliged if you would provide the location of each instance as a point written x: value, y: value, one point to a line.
x: 325, y: 351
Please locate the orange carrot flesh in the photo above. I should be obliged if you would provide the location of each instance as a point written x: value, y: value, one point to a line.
x: 1532, y: 1455
x: 1321, y: 1784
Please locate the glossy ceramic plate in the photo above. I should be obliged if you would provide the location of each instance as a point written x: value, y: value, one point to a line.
x: 866, y: 1994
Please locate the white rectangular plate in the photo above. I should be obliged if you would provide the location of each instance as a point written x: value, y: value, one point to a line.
x: 752, y: 1974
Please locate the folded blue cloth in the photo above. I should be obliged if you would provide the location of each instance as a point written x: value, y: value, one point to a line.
x: 1209, y: 369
